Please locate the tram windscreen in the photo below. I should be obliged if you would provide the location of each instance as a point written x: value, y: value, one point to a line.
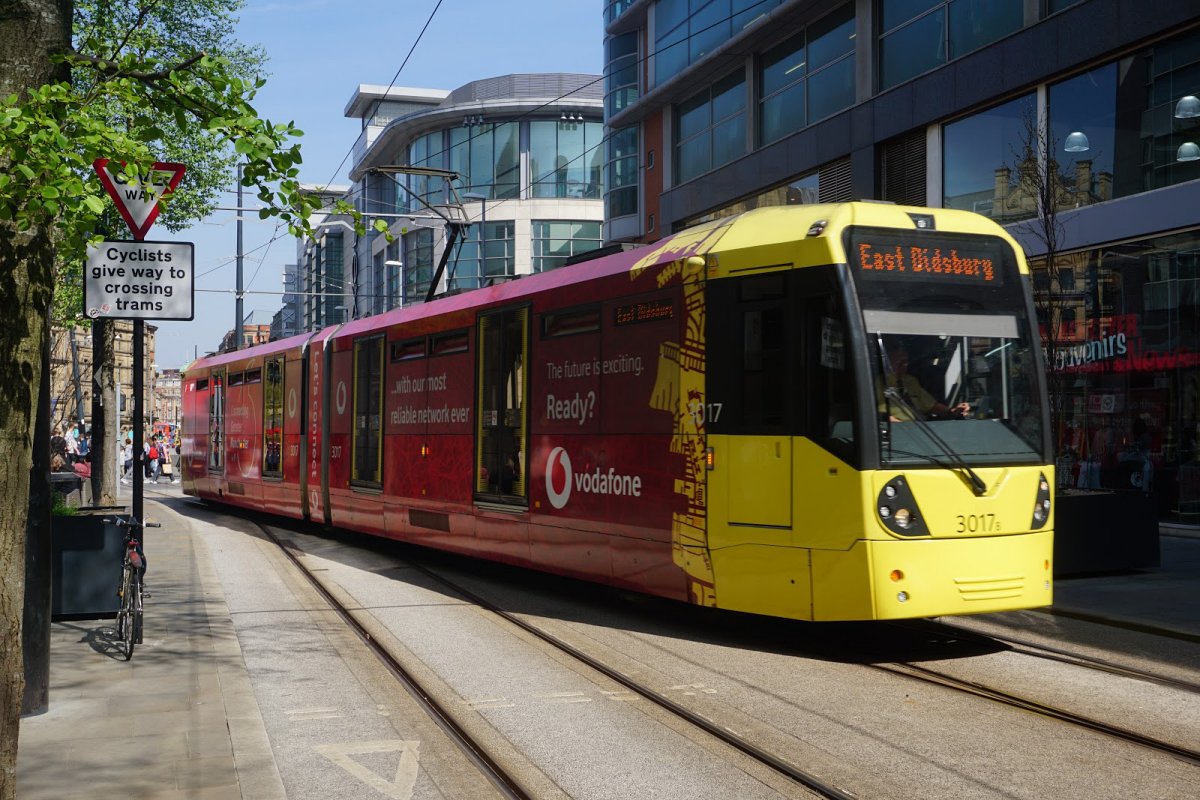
x: 952, y: 346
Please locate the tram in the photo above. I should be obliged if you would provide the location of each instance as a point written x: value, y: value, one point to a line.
x: 820, y: 412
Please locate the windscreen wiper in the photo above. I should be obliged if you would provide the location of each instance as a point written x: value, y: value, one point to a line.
x: 973, y: 479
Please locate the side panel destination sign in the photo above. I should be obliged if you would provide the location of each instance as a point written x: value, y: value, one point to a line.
x: 139, y: 280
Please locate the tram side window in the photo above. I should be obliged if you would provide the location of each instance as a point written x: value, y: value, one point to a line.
x: 273, y: 419
x: 750, y: 342
x: 501, y: 444
x: 368, y: 412
x: 216, y: 425
x: 829, y: 390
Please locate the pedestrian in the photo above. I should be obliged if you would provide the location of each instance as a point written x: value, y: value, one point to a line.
x: 72, y: 442
x: 127, y: 462
x: 58, y: 444
x: 152, y: 464
x: 85, y: 445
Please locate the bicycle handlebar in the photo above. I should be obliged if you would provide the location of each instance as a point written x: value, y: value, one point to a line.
x: 130, y: 522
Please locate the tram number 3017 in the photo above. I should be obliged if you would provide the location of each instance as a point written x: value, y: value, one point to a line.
x: 704, y: 412
x: 977, y: 523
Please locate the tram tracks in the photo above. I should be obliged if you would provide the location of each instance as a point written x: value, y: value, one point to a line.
x: 1061, y: 655
x: 927, y: 675
x: 950, y: 632
x: 508, y: 784
x: 511, y: 787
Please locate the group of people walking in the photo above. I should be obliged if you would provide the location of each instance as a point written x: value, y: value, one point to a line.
x: 160, y: 458
x: 69, y: 447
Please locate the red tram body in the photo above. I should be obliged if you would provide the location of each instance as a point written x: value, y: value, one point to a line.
x: 591, y: 396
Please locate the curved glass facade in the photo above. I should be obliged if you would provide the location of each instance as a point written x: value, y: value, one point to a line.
x: 620, y: 72
x: 622, y: 168
x: 565, y: 159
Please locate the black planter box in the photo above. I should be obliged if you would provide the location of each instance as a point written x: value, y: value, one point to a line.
x: 85, y: 562
x: 1099, y: 531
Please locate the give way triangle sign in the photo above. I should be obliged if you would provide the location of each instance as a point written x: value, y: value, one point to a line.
x: 138, y: 200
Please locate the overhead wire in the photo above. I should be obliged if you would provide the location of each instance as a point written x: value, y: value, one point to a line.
x: 354, y: 191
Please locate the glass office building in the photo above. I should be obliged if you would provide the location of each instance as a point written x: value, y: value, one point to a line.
x: 527, y: 155
x: 1074, y: 123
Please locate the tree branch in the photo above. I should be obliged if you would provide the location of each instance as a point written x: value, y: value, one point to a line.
x: 113, y: 69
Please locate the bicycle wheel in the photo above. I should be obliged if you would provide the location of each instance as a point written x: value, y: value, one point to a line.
x: 126, y: 617
x: 137, y: 607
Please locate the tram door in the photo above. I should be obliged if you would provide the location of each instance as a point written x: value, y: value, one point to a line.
x: 216, y: 422
x: 501, y: 435
x: 755, y: 370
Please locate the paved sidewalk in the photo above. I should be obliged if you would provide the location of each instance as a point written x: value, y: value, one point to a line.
x: 1163, y: 600
x: 178, y: 721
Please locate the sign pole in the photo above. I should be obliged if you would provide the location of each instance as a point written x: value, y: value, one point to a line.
x: 139, y: 386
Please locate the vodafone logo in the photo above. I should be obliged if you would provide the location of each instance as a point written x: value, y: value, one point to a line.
x: 562, y: 479
x: 558, y: 477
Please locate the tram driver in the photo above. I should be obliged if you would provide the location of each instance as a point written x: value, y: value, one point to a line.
x: 897, y: 376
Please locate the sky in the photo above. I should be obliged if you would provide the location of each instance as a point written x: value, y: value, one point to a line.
x: 319, y: 51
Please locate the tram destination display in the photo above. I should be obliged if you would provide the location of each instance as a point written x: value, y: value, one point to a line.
x: 928, y: 257
x: 139, y: 280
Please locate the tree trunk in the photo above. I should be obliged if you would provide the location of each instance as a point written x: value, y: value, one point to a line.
x: 30, y: 31
x: 106, y: 422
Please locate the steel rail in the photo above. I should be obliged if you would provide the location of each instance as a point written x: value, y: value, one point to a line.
x: 926, y: 675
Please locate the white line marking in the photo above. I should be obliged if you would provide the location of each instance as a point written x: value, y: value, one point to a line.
x: 399, y: 788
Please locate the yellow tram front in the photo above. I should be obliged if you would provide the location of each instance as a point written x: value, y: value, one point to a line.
x: 885, y: 449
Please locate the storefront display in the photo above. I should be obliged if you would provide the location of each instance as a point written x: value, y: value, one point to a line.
x: 1123, y: 348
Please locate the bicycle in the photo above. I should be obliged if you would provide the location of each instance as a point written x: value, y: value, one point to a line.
x: 131, y: 587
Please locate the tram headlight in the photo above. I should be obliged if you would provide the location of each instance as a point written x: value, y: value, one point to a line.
x: 1041, y: 504
x: 898, y: 510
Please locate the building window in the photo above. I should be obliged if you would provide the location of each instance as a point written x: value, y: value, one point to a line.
x: 566, y: 158
x: 796, y: 192
x: 807, y: 77
x: 919, y: 35
x: 426, y: 151
x: 621, y: 198
x: 620, y: 72
x: 378, y: 298
x: 333, y: 264
x: 418, y: 263
x: 1126, y: 124
x: 395, y: 296
x: 554, y: 241
x: 687, y: 31
x: 487, y: 159
x: 983, y: 159
x: 710, y: 128
x: 498, y: 260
